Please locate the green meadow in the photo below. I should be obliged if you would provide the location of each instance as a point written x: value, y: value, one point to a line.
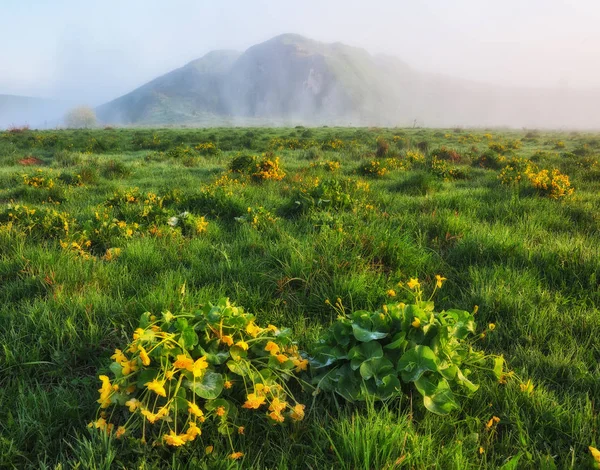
x: 299, y: 226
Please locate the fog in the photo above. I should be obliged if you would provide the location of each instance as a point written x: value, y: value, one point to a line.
x: 90, y: 53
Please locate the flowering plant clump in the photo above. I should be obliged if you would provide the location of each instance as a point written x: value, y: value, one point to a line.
x: 385, y: 353
x: 183, y: 372
x: 329, y: 165
x: 258, y: 217
x: 268, y: 168
x: 207, y: 148
x: 373, y: 168
x: 40, y: 223
x: 554, y: 184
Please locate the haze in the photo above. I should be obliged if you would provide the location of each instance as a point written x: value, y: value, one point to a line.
x: 92, y: 53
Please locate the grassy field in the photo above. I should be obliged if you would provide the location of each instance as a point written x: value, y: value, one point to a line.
x: 343, y: 213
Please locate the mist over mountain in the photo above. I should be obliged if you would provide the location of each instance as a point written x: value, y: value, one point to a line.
x: 291, y: 79
x: 35, y: 112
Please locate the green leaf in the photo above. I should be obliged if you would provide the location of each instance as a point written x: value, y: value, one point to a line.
x: 341, y: 333
x: 461, y: 379
x: 237, y: 353
x: 389, y: 387
x: 438, y: 399
x: 464, y: 323
x: 358, y: 354
x: 239, y: 367
x: 415, y: 362
x: 499, y: 367
x: 188, y: 338
x: 398, y: 341
x: 208, y: 387
x: 375, y: 368
x: 116, y: 369
x: 363, y: 334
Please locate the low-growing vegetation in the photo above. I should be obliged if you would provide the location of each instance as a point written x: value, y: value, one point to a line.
x: 299, y: 298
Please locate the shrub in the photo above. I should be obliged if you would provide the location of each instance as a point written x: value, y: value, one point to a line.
x: 180, y: 152
x: 497, y: 147
x: 382, y: 147
x: 207, y: 148
x: 114, y: 169
x: 81, y: 117
x: 243, y: 164
x: 489, y: 160
x: 444, y: 153
x: 373, y: 168
x: 258, y: 218
x: 554, y: 184
x: 268, y: 169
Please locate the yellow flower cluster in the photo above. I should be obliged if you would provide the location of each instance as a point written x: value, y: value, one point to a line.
x: 268, y: 169
x: 554, y: 184
x: 161, y: 373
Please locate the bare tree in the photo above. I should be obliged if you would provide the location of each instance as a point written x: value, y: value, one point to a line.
x: 80, y: 117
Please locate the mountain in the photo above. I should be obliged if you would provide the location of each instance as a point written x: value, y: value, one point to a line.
x: 291, y: 79
x: 35, y: 112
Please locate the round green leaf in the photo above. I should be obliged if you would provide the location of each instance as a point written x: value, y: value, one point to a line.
x: 208, y: 387
x: 415, y: 362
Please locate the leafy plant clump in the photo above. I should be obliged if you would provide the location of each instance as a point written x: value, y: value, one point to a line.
x: 187, y: 371
x: 388, y: 352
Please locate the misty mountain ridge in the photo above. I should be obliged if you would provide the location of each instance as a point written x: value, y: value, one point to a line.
x: 291, y: 79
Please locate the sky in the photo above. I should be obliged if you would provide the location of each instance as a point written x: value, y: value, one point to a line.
x: 93, y: 51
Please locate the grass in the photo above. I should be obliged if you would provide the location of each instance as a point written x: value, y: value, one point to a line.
x: 529, y: 262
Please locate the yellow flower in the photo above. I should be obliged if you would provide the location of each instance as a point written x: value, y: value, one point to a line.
x: 439, y: 280
x: 118, y: 356
x: 138, y: 333
x: 277, y: 405
x: 281, y: 358
x: 596, y: 454
x: 253, y: 330
x: 99, y: 424
x: 228, y: 340
x: 481, y: 450
x: 391, y: 293
x: 133, y: 404
x: 157, y: 387
x: 195, y: 410
x: 198, y: 367
x: 221, y: 411
x: 242, y: 344
x: 183, y: 362
x: 491, y: 326
x: 105, y: 392
x: 301, y: 364
x: 144, y: 356
x: 193, y: 431
x: 228, y: 384
x: 209, y: 450
x: 298, y: 412
x: 235, y: 455
x: 272, y: 347
x: 413, y: 283
x: 276, y: 416
x: 173, y: 439
x: 253, y: 402
x: 169, y: 374
x: 241, y: 430
x: 150, y: 416
x: 273, y: 328
x: 492, y: 421
x: 120, y: 432
x: 416, y: 323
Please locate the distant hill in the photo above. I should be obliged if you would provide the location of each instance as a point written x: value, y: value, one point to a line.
x: 294, y: 80
x: 35, y: 112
